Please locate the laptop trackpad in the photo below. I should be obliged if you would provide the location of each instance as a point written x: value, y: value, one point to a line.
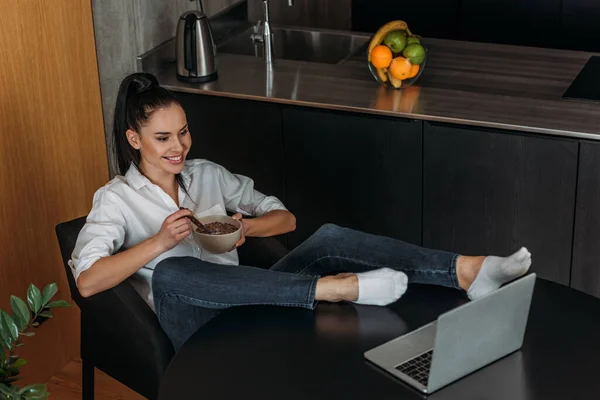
x: 403, y: 348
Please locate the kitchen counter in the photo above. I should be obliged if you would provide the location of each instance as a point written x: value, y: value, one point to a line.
x: 486, y: 85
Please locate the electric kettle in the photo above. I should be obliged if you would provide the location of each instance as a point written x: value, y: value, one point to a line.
x: 196, y: 51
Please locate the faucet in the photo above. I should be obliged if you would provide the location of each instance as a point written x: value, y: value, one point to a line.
x: 262, y: 32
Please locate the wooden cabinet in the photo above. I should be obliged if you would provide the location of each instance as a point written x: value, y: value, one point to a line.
x: 244, y: 136
x: 586, y: 249
x: 489, y: 192
x: 357, y: 171
x: 463, y: 189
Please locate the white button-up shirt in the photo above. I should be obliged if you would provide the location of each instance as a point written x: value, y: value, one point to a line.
x: 131, y: 209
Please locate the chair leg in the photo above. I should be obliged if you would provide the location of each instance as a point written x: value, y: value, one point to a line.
x: 87, y: 379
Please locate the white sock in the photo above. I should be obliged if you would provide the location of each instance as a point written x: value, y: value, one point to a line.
x: 496, y: 271
x: 381, y: 286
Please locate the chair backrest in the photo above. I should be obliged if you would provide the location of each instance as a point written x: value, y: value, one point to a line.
x: 67, y: 236
x: 119, y: 331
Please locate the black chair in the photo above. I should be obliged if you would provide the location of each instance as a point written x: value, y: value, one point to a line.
x: 120, y: 334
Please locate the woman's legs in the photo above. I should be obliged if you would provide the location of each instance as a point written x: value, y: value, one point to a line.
x: 336, y: 249
x: 333, y: 249
x: 188, y: 292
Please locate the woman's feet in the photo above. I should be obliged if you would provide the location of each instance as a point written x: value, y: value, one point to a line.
x: 479, y: 276
x: 379, y: 287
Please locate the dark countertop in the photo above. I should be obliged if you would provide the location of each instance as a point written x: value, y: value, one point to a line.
x: 488, y: 85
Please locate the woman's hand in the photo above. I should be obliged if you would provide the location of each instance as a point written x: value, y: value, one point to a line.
x: 174, y: 229
x: 242, y: 240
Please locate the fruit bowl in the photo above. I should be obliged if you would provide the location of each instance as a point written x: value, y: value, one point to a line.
x: 396, y: 57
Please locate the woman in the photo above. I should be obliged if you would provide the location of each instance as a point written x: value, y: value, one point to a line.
x: 140, y: 214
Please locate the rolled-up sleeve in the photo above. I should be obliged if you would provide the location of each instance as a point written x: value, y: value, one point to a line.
x: 102, y: 235
x: 240, y: 196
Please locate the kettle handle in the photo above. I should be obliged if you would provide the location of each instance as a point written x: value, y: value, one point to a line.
x: 189, y: 34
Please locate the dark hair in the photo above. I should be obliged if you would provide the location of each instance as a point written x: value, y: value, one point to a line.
x: 139, y: 97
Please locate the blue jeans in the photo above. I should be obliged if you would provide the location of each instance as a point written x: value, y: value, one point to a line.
x: 188, y: 292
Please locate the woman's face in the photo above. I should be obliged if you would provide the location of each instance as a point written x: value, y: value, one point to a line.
x: 163, y: 142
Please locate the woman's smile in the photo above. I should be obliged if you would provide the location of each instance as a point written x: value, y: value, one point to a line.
x: 174, y: 159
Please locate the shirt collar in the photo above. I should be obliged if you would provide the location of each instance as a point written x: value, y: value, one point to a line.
x: 137, y: 180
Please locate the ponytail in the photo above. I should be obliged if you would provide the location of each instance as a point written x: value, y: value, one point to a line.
x: 139, y: 97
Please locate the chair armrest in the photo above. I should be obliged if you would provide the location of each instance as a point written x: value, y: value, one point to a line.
x: 118, y: 323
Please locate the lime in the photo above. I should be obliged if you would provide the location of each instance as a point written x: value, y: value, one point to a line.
x: 415, y: 53
x: 413, y: 39
x: 396, y: 41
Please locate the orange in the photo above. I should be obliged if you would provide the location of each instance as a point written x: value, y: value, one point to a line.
x: 401, y: 68
x: 414, y: 70
x: 381, y: 56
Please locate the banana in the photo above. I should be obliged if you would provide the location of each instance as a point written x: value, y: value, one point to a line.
x: 398, y: 25
x: 382, y: 74
x: 395, y: 81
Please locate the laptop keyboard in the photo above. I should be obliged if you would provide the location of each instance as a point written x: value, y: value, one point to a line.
x: 417, y: 368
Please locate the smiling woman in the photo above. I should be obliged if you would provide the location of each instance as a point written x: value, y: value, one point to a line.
x: 52, y: 152
x: 151, y: 144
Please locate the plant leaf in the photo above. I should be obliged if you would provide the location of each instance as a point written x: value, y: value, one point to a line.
x: 46, y: 314
x: 48, y: 293
x: 21, y: 313
x: 36, y: 391
x: 19, y: 363
x: 5, y: 390
x: 27, y: 333
x: 4, y: 340
x: 13, y: 379
x: 34, y: 298
x: 58, y: 303
x: 8, y: 327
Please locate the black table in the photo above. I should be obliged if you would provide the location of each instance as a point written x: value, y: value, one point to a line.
x: 285, y: 353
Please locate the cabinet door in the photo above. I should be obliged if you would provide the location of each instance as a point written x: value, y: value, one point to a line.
x: 586, y: 245
x: 433, y: 18
x: 357, y: 171
x: 520, y: 22
x: 491, y: 192
x: 243, y: 136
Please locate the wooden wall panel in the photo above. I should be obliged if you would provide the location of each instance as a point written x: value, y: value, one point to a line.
x: 52, y: 156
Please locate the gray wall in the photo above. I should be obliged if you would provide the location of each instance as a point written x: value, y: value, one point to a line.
x: 329, y: 14
x: 125, y: 29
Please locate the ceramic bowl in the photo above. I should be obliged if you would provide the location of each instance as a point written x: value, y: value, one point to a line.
x: 218, y: 244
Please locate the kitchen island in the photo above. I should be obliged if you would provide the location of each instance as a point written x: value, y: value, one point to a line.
x: 481, y: 157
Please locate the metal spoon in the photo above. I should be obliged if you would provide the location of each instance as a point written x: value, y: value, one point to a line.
x: 197, y: 223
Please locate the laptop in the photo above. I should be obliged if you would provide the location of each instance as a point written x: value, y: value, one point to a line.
x: 461, y: 340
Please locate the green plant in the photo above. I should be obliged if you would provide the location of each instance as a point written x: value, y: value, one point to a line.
x: 15, y: 326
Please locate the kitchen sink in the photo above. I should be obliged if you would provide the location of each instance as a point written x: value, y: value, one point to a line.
x: 329, y: 47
